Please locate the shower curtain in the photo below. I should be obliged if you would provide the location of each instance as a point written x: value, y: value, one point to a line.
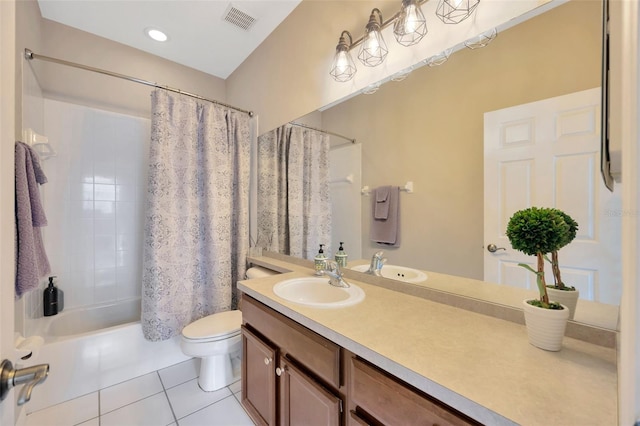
x: 294, y: 205
x: 197, y: 213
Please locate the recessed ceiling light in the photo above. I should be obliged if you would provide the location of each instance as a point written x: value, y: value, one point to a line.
x: 156, y: 34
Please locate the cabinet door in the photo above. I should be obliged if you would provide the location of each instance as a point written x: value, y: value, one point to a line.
x: 258, y: 378
x: 305, y: 402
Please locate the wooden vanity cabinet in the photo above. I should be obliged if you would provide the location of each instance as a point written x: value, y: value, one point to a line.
x: 290, y: 375
x: 293, y: 376
x: 378, y: 398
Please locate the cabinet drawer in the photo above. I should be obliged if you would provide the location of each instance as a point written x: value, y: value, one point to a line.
x: 317, y: 354
x: 393, y: 402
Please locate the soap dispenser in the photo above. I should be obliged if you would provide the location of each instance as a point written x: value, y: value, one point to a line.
x: 320, y: 261
x: 50, y: 299
x: 341, y: 256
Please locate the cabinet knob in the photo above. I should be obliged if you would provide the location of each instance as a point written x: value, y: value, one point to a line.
x: 279, y: 371
x: 267, y: 361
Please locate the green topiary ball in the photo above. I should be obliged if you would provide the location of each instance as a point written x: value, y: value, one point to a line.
x: 537, y: 230
x: 573, y: 227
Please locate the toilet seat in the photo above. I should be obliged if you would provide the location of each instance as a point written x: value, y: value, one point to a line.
x: 220, y: 326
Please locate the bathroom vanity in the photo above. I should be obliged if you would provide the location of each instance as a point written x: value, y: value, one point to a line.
x: 395, y: 358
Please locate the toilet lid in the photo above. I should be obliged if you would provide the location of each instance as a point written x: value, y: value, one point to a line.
x: 216, y: 325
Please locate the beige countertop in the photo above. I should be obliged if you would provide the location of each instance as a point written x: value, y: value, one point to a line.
x: 477, y: 364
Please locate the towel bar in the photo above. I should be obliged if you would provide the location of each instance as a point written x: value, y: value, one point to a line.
x: 408, y: 188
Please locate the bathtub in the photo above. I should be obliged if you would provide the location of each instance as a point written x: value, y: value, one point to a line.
x: 88, y: 349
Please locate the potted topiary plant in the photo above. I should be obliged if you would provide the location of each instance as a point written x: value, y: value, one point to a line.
x: 537, y: 231
x: 559, y: 291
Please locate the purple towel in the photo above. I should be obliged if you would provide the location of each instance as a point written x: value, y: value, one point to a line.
x: 32, y: 263
x: 387, y: 231
x: 381, y: 206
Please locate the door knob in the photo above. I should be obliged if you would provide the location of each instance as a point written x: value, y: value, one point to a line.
x: 279, y: 371
x: 267, y: 361
x: 29, y: 377
x: 494, y: 248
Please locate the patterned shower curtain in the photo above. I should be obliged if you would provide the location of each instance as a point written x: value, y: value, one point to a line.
x: 294, y: 205
x: 197, y: 212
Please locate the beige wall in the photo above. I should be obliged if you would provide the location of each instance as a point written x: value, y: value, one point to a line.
x: 64, y: 83
x: 283, y: 78
x: 429, y: 129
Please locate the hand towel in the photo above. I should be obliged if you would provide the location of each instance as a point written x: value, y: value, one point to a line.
x: 31, y: 263
x: 381, y: 206
x: 387, y: 231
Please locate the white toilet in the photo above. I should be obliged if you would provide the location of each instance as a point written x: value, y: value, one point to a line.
x: 216, y: 340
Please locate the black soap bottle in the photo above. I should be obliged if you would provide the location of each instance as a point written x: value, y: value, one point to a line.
x: 50, y: 299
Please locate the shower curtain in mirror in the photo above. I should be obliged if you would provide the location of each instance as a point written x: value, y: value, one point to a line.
x: 294, y: 205
x: 197, y: 213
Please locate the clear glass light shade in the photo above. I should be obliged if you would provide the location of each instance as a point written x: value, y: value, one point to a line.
x: 411, y: 26
x: 373, y: 49
x: 455, y: 11
x: 438, y: 59
x: 481, y: 40
x: 343, y: 68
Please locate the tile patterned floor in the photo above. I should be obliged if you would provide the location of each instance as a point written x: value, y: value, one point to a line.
x: 167, y: 397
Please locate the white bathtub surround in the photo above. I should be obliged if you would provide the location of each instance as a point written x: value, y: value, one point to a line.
x: 197, y: 219
x: 83, y: 361
x: 155, y: 399
x: 93, y: 202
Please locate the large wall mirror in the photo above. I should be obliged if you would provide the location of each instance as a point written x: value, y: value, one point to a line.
x: 429, y: 129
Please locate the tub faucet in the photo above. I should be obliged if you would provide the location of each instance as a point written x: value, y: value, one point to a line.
x: 375, y: 268
x: 335, y: 274
x: 30, y: 377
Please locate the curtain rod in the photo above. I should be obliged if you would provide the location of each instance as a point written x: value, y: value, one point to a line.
x: 29, y: 55
x: 323, y: 131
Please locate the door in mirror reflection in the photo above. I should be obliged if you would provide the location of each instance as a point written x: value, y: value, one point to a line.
x: 547, y: 154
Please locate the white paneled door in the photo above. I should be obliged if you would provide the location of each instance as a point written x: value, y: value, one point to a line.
x: 547, y: 154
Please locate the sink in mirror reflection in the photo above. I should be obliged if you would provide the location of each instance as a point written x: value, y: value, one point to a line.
x: 396, y: 272
x: 318, y: 293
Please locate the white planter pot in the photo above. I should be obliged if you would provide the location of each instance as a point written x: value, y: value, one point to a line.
x: 545, y: 327
x: 566, y: 298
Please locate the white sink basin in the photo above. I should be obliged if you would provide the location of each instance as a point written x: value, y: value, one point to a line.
x: 395, y: 272
x: 318, y: 293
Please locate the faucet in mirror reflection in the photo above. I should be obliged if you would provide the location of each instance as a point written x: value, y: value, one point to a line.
x: 377, y: 262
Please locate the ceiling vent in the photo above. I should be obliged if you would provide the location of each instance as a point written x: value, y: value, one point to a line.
x: 239, y: 18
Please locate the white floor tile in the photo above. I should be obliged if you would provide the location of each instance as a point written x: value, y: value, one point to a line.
x: 92, y: 422
x: 128, y: 392
x: 151, y: 411
x: 67, y: 413
x: 188, y: 397
x: 227, y: 412
x: 180, y: 373
x: 235, y: 387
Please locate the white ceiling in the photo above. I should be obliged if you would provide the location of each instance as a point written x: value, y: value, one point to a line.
x: 198, y: 36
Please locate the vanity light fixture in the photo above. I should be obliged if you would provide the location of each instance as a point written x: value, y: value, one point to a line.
x: 156, y: 34
x: 343, y: 68
x: 410, y: 26
x: 373, y: 49
x: 482, y: 40
x: 401, y: 75
x: 455, y: 11
x: 372, y: 88
x: 438, y: 59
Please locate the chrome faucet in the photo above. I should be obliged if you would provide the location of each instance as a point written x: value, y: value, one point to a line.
x: 30, y: 377
x: 335, y: 274
x: 375, y: 268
